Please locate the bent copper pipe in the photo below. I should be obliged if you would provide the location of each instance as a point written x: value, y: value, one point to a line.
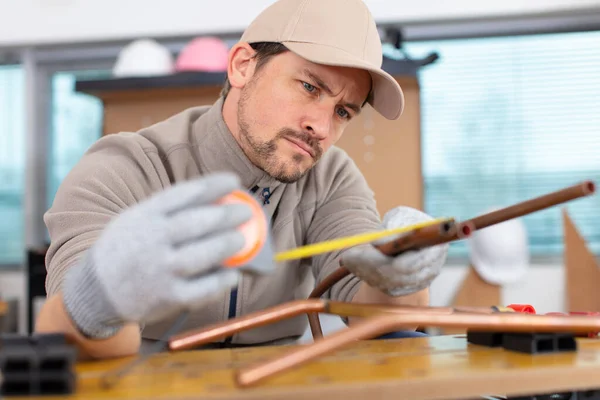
x: 569, y: 193
x: 419, y: 238
x: 382, y: 324
x: 197, y: 337
x: 190, y: 339
x: 415, y: 238
x: 329, y: 281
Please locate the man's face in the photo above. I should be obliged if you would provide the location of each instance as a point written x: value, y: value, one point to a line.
x: 291, y: 111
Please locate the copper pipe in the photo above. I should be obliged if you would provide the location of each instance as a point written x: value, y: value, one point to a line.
x: 329, y: 281
x: 379, y: 325
x: 392, y: 247
x: 198, y: 337
x: 367, y: 310
x: 465, y: 228
x: 372, y: 309
x: 582, y: 189
x: 254, y: 374
x: 421, y: 237
x: 190, y: 339
x: 417, y: 238
x: 478, y: 310
x: 517, y: 210
x: 426, y: 236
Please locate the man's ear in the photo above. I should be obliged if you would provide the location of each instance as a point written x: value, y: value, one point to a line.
x: 240, y: 67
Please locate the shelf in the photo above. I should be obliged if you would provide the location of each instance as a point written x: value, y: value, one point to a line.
x: 199, y: 79
x: 184, y: 79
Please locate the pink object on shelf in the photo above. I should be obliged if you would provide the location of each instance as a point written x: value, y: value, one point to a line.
x: 208, y: 54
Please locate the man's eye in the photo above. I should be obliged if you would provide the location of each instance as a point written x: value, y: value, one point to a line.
x: 308, y: 86
x: 343, y: 113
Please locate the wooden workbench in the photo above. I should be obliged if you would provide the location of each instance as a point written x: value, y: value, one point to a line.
x: 442, y: 367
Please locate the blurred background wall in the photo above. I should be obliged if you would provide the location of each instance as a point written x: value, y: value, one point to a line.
x: 508, y: 111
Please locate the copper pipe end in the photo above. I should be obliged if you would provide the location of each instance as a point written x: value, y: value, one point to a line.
x: 447, y: 226
x: 465, y: 229
x: 589, y: 187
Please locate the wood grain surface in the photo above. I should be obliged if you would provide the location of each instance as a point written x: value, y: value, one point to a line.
x: 438, y: 367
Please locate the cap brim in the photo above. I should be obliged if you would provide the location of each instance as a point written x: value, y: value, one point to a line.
x: 387, y: 99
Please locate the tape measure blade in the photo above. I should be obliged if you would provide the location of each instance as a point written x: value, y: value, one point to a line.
x: 349, y: 241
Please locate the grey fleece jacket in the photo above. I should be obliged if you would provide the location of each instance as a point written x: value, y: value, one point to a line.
x: 123, y: 169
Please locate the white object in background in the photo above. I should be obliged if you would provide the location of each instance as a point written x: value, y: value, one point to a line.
x: 500, y: 253
x: 143, y: 58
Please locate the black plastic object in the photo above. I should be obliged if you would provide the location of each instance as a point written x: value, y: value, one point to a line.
x: 531, y: 343
x: 482, y: 338
x: 580, y: 395
x: 37, y: 365
x: 537, y: 343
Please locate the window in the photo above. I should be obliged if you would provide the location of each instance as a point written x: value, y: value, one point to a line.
x: 511, y: 118
x: 76, y: 124
x: 12, y: 164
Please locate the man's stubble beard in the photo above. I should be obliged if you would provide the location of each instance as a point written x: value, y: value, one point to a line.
x: 264, y: 154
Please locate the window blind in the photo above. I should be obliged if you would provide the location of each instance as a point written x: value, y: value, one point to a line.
x: 76, y: 123
x: 511, y: 118
x: 12, y: 164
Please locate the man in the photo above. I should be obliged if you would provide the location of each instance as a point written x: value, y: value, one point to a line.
x: 138, y: 234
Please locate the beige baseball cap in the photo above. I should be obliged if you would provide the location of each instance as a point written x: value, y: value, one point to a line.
x: 331, y: 32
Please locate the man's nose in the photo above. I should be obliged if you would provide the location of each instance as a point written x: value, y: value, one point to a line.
x: 318, y: 122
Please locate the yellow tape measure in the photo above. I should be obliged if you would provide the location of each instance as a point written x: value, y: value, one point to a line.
x: 349, y: 241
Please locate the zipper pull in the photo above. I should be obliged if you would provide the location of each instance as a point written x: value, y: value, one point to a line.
x: 266, y: 193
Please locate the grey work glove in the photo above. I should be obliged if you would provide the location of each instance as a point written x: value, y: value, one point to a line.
x: 404, y: 274
x: 158, y: 258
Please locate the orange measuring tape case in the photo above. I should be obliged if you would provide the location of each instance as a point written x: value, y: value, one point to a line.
x: 257, y: 253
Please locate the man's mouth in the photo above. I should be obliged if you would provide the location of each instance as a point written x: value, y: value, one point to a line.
x: 303, y: 146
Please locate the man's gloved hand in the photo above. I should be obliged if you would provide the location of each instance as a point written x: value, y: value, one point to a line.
x: 158, y: 257
x: 407, y: 273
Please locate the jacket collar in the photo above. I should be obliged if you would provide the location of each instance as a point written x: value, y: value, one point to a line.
x: 219, y: 151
